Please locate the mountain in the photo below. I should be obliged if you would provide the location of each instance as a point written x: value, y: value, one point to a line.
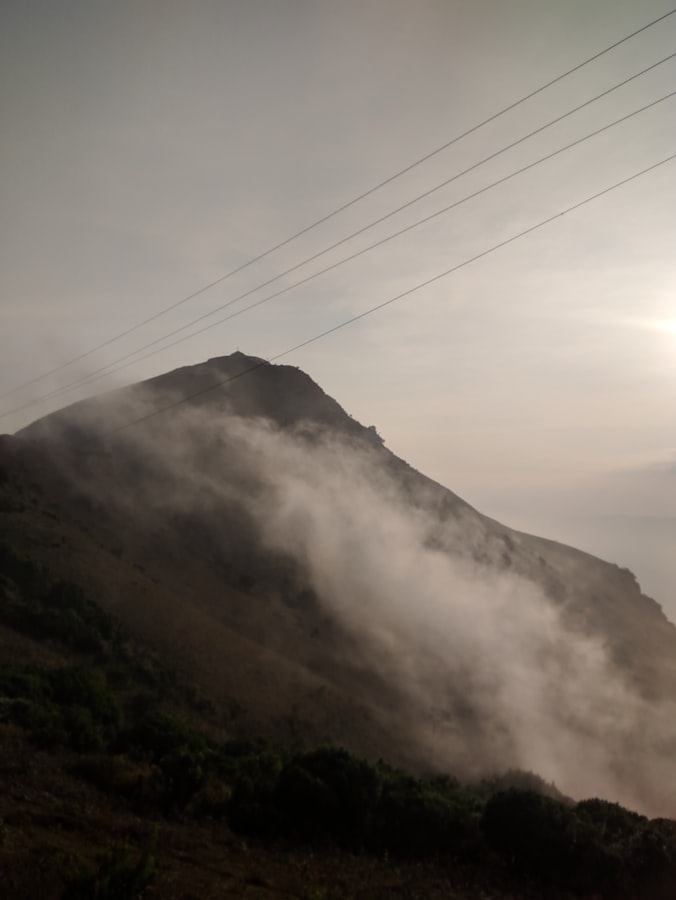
x: 318, y: 589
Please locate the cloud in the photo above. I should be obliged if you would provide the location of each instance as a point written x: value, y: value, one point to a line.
x: 495, y: 675
x: 442, y: 614
x: 488, y: 672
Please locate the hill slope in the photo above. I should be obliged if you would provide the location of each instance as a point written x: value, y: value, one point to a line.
x: 318, y: 588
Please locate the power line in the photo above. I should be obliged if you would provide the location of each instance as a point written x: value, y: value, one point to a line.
x: 390, y: 301
x: 110, y: 367
x: 303, y: 281
x: 406, y: 205
x: 343, y: 207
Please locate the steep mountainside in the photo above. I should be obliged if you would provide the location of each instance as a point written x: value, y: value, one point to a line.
x: 319, y: 588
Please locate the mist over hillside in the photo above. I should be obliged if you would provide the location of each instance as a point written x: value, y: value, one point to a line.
x: 273, y: 546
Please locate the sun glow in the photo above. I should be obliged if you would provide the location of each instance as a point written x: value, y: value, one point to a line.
x: 667, y: 326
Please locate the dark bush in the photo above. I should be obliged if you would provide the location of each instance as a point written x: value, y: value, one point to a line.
x: 27, y: 682
x: 71, y: 617
x: 76, y: 686
x: 652, y: 857
x: 329, y: 792
x: 184, y: 771
x: 24, y: 573
x: 69, y: 706
x: 252, y: 769
x: 121, y: 872
x: 56, y: 611
x: 158, y: 734
x: 532, y: 832
x: 613, y: 823
x: 417, y: 818
x: 43, y: 721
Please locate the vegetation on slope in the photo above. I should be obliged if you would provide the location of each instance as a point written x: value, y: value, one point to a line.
x: 114, y: 719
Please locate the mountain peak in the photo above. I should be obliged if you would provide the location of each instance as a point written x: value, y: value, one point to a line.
x: 238, y: 384
x: 270, y: 545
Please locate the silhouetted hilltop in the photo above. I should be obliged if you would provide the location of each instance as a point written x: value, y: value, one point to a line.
x: 236, y: 384
x: 319, y: 588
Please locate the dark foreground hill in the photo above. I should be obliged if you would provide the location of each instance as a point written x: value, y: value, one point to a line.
x: 118, y: 782
x: 275, y: 549
x: 314, y: 589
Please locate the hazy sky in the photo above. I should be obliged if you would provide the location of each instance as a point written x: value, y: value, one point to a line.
x: 149, y: 148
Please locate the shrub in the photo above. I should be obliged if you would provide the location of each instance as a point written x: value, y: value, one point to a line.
x: 532, y: 832
x: 76, y: 686
x: 652, y: 856
x: 159, y: 734
x: 26, y: 574
x: 329, y: 792
x: 67, y: 706
x: 56, y: 610
x: 184, y: 772
x: 613, y: 823
x: 120, y: 872
x: 417, y: 818
x: 26, y: 682
x: 252, y: 769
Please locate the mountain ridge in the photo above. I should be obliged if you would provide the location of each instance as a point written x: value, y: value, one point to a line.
x: 358, y: 600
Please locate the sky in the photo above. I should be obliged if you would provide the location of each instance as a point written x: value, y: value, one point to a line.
x: 151, y: 148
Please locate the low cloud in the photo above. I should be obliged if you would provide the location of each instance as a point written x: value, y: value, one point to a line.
x: 493, y: 676
x: 489, y: 671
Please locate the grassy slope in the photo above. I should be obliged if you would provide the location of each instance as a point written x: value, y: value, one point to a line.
x: 119, y: 785
x: 61, y: 835
x: 178, y: 603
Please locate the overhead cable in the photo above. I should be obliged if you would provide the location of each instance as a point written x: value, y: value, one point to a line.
x: 133, y: 356
x: 385, y: 303
x: 503, y: 111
